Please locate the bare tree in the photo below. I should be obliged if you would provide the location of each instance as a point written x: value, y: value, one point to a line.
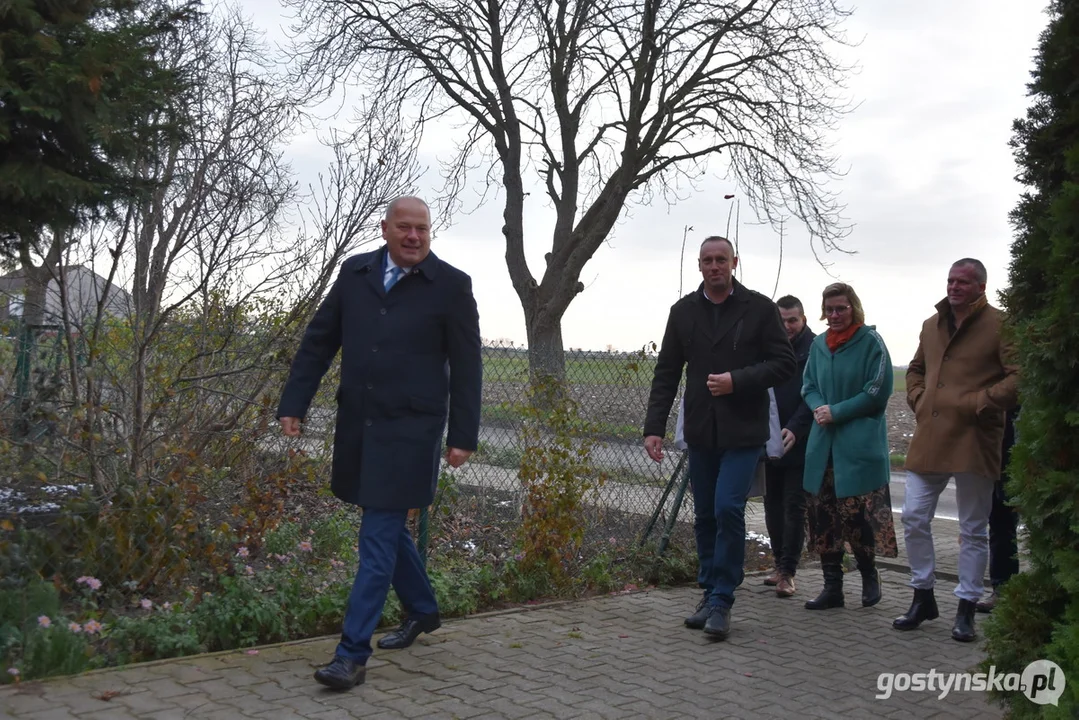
x: 222, y: 278
x: 607, y: 102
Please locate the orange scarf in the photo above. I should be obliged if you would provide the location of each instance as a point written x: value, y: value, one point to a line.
x: 836, y: 339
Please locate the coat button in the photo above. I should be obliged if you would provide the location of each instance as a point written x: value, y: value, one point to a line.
x: 374, y: 348
x: 370, y: 386
x: 945, y: 357
x: 382, y: 311
x: 367, y: 422
x: 940, y: 385
x: 935, y: 413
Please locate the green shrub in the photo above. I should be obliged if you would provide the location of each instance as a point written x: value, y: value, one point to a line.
x: 54, y: 651
x: 1038, y: 614
x: 166, y: 633
x: 556, y: 473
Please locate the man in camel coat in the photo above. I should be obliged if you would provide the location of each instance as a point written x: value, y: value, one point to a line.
x: 961, y: 382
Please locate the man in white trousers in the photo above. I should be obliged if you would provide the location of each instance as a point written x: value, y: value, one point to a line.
x: 960, y: 384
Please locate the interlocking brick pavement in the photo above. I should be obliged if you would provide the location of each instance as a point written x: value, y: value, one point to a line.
x: 619, y: 656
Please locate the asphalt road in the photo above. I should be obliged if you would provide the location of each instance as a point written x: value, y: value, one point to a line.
x: 946, y: 507
x: 632, y: 456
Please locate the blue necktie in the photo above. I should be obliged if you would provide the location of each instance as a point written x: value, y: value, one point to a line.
x: 395, y: 275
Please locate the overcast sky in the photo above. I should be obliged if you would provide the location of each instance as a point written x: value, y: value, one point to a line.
x: 929, y: 180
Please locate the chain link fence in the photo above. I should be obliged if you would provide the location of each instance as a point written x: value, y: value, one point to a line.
x: 626, y: 500
x: 608, y: 393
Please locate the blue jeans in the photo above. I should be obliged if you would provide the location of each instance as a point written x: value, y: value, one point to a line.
x: 388, y: 556
x: 721, y: 479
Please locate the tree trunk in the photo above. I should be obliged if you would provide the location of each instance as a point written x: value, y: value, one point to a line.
x: 546, y: 356
x: 36, y: 281
x: 35, y: 286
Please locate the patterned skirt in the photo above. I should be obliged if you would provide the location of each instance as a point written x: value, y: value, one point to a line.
x: 863, y: 522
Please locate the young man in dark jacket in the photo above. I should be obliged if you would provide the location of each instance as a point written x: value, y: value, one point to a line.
x: 732, y: 345
x: 784, y: 499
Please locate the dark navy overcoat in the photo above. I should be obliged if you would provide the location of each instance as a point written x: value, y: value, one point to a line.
x: 410, y: 360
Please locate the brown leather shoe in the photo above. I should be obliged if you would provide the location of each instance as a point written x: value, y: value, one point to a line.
x: 773, y: 579
x: 785, y: 586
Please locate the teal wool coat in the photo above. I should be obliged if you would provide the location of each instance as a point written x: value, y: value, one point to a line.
x: 856, y: 382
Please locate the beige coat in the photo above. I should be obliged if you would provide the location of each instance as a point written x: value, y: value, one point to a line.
x: 959, y: 388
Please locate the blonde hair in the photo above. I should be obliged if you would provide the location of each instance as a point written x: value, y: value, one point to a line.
x: 843, y: 290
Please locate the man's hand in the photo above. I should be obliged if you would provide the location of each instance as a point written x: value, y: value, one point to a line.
x: 788, y: 440
x: 653, y: 444
x: 290, y: 426
x: 823, y: 415
x: 457, y: 457
x: 720, y: 384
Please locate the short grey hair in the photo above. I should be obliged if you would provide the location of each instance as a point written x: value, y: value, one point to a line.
x: 719, y: 238
x: 979, y: 268
x: 392, y: 205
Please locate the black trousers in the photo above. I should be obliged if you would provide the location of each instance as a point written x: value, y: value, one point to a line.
x: 784, y: 514
x: 1003, y: 531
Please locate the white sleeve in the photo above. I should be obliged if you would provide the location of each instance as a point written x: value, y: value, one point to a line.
x: 679, y: 428
x: 774, y: 449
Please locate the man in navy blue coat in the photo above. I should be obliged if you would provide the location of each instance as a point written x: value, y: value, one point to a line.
x: 408, y: 330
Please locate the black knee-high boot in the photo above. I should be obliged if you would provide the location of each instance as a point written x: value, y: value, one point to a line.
x: 832, y: 594
x: 867, y: 566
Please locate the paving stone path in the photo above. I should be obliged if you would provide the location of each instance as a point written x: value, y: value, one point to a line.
x: 618, y: 656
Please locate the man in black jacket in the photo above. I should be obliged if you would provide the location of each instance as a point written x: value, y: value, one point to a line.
x: 733, y: 347
x: 784, y: 499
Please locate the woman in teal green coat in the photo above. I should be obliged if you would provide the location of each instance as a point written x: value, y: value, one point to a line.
x: 847, y: 383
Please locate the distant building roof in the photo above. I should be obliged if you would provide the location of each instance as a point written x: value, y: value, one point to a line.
x: 85, y: 288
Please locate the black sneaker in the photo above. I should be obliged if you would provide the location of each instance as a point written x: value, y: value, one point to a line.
x: 718, y: 624
x: 699, y: 617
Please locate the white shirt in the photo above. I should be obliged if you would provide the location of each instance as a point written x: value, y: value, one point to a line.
x: 390, y: 265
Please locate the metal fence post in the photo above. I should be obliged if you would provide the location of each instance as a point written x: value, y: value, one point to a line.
x: 679, y: 477
x: 22, y: 362
x: 662, y: 500
x: 668, y: 530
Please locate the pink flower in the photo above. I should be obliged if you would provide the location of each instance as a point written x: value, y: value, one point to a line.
x: 74, y: 627
x: 242, y: 552
x: 44, y: 621
x: 166, y: 606
x: 146, y: 604
x: 91, y: 627
x: 91, y: 582
x: 13, y: 672
x: 248, y: 570
x: 305, y: 546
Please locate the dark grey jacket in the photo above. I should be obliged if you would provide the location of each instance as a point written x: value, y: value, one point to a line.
x: 749, y: 342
